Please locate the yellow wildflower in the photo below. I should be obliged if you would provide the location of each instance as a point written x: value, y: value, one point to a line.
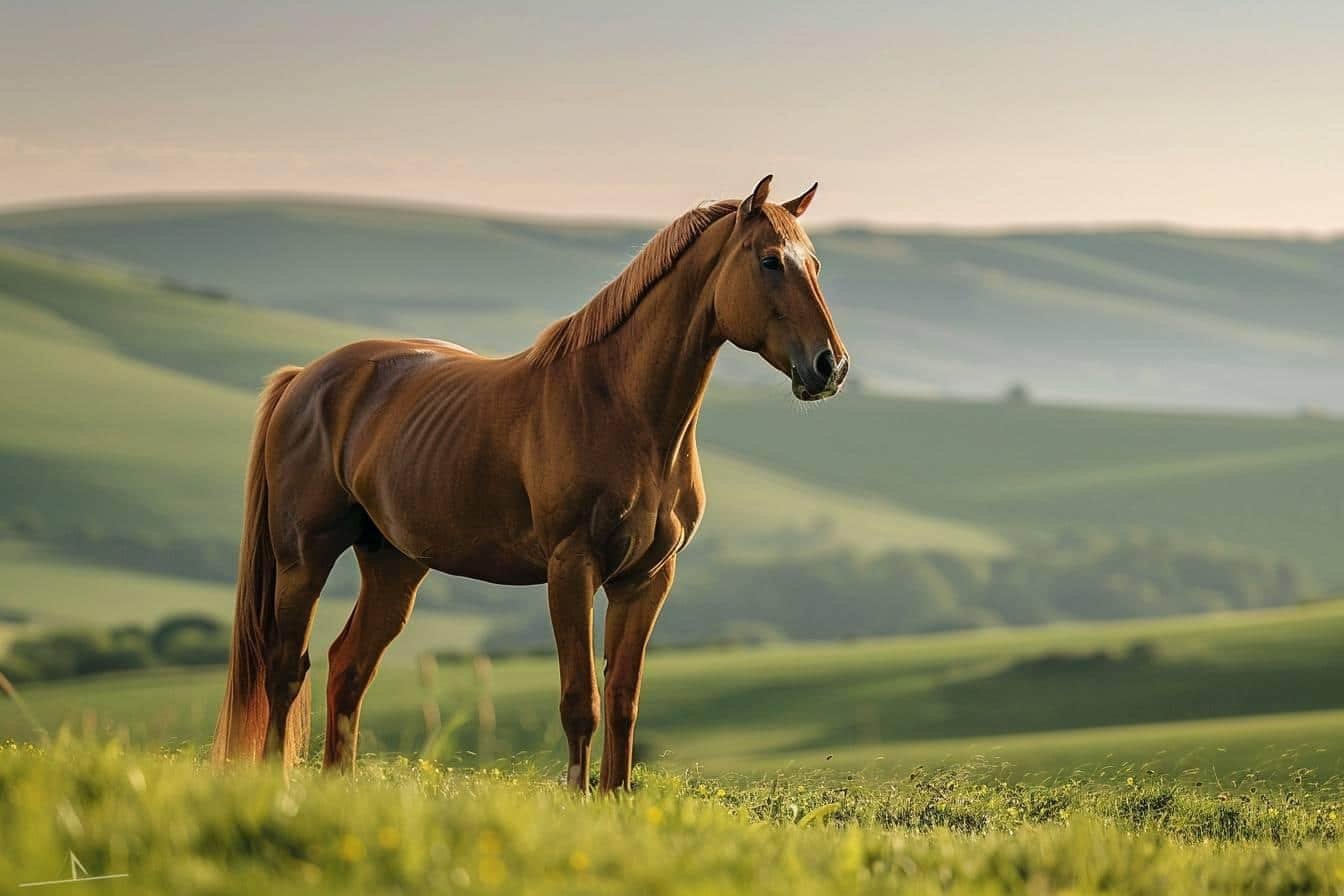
x: 352, y: 848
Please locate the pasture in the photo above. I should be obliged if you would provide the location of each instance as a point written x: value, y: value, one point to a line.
x: 1211, y: 695
x: 172, y: 826
x: 1186, y: 754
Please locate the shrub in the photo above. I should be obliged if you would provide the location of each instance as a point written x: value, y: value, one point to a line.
x: 188, y: 640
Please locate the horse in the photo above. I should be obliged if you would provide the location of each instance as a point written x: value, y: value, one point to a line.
x: 572, y: 463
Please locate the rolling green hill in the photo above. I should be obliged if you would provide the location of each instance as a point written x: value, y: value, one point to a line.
x: 1029, y: 470
x: 129, y: 405
x: 1137, y: 317
x: 1220, y: 693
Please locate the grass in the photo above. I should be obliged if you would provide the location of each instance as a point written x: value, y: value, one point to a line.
x: 174, y: 826
x: 1204, y: 695
x: 57, y: 593
x: 224, y: 342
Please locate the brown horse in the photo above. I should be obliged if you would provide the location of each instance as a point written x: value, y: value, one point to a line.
x: 573, y: 463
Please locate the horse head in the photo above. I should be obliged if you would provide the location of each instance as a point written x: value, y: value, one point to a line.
x: 767, y: 299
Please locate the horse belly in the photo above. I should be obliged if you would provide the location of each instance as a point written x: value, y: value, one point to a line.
x: 480, y: 542
x: 501, y: 564
x: 478, y: 526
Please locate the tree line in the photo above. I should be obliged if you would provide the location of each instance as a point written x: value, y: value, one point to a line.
x: 846, y: 595
x: 184, y: 640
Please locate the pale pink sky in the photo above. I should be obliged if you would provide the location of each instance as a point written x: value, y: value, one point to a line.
x: 1209, y: 114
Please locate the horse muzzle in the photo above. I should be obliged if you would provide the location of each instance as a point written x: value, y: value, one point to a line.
x: 819, y: 378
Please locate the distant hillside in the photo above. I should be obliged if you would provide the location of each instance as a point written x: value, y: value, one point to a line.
x: 1136, y: 317
x: 1027, y: 471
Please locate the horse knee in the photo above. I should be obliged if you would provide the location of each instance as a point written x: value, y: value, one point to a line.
x: 623, y: 710
x: 285, y: 677
x: 347, y: 684
x: 579, y: 713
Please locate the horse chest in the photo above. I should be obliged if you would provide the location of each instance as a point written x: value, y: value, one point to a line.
x: 648, y: 537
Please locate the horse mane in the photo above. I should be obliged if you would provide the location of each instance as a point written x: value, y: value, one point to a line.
x: 617, y: 300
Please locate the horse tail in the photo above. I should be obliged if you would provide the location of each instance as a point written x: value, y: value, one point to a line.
x: 240, y: 732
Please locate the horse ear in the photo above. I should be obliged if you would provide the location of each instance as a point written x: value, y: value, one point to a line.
x: 753, y: 203
x: 797, y: 206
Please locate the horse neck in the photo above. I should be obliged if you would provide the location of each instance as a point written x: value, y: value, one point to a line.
x: 660, y: 359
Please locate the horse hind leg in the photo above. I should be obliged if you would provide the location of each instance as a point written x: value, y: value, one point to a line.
x: 390, y: 580
x: 298, y: 585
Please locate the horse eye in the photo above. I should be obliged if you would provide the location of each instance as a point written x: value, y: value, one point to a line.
x: 771, y: 263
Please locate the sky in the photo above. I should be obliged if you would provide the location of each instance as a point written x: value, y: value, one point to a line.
x: 1225, y: 115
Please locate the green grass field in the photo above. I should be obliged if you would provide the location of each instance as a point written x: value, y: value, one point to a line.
x: 170, y: 825
x: 1188, y: 754
x: 1216, y: 694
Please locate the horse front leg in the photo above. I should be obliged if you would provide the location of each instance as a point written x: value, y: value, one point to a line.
x: 572, y: 580
x: 631, y: 613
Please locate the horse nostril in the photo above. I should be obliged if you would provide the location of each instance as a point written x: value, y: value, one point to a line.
x: 825, y: 364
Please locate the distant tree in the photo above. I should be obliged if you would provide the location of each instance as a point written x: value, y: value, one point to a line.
x: 191, y: 640
x: 748, y: 633
x: 1017, y: 393
x: 919, y: 591
x: 75, y: 652
x: 837, y: 594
